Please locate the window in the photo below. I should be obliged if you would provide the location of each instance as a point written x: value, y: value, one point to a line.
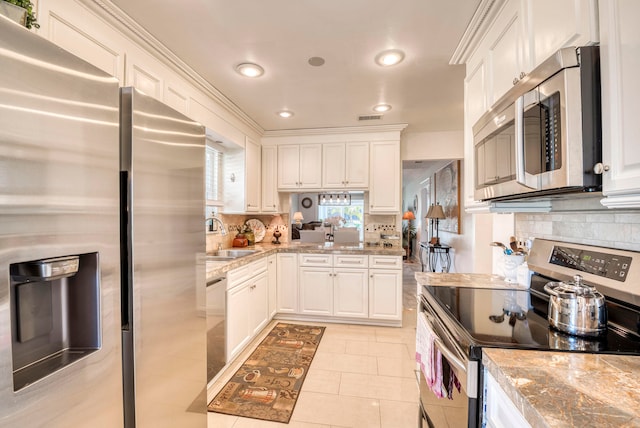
x: 353, y: 214
x: 213, y: 187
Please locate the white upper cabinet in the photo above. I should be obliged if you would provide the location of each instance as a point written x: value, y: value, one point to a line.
x: 620, y: 61
x: 524, y: 33
x: 506, y: 39
x: 299, y: 166
x: 384, y: 192
x: 507, y: 51
x: 345, y: 165
x: 270, y: 179
x: 252, y: 171
x: 555, y: 24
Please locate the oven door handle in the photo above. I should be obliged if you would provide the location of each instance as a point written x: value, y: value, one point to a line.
x: 466, y: 371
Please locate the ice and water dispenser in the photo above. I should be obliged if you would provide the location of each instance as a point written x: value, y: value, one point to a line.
x: 55, y: 314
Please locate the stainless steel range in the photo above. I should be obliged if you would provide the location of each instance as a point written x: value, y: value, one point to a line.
x: 464, y: 320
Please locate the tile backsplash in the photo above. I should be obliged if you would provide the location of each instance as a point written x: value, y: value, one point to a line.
x: 613, y: 229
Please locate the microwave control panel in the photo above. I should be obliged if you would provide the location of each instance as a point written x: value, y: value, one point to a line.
x: 597, y: 263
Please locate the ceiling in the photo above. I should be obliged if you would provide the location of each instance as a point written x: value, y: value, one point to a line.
x: 213, y: 36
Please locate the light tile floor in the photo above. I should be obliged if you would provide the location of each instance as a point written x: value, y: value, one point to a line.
x: 361, y: 376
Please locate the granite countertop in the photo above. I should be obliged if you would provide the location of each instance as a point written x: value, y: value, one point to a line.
x: 568, y: 389
x: 216, y: 268
x: 473, y: 280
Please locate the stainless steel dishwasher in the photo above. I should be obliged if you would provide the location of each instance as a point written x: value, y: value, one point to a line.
x: 216, y: 309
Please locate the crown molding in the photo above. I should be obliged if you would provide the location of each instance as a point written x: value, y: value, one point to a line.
x: 482, y: 18
x: 115, y: 17
x: 399, y: 127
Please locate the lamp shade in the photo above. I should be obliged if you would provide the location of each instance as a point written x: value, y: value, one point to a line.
x: 435, y: 212
x: 409, y: 215
x: 297, y: 216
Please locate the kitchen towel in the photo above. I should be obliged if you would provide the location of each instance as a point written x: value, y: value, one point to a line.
x: 439, y: 376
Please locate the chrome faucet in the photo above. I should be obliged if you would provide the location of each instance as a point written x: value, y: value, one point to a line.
x: 215, y: 219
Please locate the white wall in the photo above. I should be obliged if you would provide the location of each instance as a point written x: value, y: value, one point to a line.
x: 432, y: 145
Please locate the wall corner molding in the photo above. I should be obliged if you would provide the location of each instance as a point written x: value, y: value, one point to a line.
x: 482, y: 18
x: 339, y: 130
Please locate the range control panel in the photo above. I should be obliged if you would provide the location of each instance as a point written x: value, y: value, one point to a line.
x: 602, y: 264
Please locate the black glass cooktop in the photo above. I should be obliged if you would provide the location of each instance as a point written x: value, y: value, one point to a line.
x: 518, y: 319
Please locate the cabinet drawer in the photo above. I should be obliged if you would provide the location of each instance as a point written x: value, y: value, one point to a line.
x: 350, y: 261
x: 324, y: 260
x: 239, y: 275
x: 385, y: 262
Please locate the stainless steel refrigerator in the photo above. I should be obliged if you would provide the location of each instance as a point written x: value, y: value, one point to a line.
x: 164, y: 324
x: 77, y: 348
x: 60, y: 330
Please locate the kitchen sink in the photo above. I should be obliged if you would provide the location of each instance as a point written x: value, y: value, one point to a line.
x: 229, y: 254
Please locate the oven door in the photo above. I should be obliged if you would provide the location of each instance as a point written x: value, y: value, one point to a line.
x: 462, y: 410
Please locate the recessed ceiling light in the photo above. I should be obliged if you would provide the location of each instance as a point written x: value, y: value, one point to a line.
x: 249, y: 69
x: 381, y: 108
x: 389, y: 57
x: 316, y: 61
x: 285, y: 114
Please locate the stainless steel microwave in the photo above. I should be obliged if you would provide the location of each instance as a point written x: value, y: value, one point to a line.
x: 544, y: 136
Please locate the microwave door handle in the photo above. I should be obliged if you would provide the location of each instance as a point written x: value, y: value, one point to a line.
x: 522, y: 176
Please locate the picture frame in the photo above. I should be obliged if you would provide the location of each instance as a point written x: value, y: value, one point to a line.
x: 447, y: 183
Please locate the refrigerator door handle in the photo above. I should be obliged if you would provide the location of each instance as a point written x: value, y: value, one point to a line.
x: 126, y: 295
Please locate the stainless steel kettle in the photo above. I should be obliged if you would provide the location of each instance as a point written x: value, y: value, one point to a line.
x: 576, y: 308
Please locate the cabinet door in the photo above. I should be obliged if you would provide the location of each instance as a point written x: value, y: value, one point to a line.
x: 252, y: 173
x: 288, y: 166
x: 237, y: 320
x: 287, y: 290
x: 269, y: 179
x: 499, y: 409
x: 272, y: 285
x: 316, y: 291
x: 384, y: 175
x: 385, y: 294
x: 620, y: 62
x: 356, y: 165
x: 310, y: 168
x: 554, y: 24
x: 351, y: 293
x: 259, y: 303
x: 333, y: 164
x: 507, y: 50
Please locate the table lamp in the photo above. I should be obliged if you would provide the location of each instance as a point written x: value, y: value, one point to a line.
x: 435, y: 213
x: 408, y: 215
x: 297, y: 217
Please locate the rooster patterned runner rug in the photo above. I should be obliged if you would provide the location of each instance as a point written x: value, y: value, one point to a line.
x: 267, y: 385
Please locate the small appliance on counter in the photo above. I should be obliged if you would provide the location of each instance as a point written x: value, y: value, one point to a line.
x: 240, y: 241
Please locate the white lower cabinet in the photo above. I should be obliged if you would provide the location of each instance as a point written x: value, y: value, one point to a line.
x: 247, y: 305
x: 350, y: 286
x: 272, y: 275
x: 385, y: 287
x: 287, y: 289
x: 316, y: 291
x: 500, y: 412
x: 350, y: 293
